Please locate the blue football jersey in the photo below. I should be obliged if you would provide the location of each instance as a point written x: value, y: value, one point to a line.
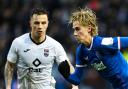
x: 105, y: 56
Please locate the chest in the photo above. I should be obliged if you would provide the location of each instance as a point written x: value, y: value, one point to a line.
x: 94, y: 58
x: 36, y: 55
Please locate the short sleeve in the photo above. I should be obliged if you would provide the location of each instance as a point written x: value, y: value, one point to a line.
x: 60, y: 53
x: 109, y: 44
x: 12, y: 54
x: 123, y: 42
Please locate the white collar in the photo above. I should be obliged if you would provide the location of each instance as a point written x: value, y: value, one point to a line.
x: 91, y: 45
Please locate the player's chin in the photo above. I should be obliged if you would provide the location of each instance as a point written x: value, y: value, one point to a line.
x: 39, y: 33
x: 79, y: 41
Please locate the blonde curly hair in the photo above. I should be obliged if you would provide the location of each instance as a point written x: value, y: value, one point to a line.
x: 85, y: 17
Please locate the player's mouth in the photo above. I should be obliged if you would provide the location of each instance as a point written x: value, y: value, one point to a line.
x: 78, y: 39
x: 39, y: 31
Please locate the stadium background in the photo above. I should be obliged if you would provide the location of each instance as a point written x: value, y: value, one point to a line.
x: 14, y: 17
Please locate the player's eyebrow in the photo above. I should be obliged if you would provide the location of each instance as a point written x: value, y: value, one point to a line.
x: 37, y: 22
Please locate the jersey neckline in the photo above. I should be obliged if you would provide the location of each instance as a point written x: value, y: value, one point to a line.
x: 34, y: 41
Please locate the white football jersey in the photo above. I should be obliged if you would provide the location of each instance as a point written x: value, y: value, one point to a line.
x: 35, y: 61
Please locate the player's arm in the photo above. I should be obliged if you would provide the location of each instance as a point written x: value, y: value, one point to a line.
x: 71, y: 67
x: 8, y: 74
x: 72, y: 70
x: 115, y: 43
x: 66, y: 68
x: 61, y: 59
x: 10, y: 64
x: 75, y: 77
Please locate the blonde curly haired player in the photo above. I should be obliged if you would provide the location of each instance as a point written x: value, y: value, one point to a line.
x: 85, y: 17
x: 102, y: 53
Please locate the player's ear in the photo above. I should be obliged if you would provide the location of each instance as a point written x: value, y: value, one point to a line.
x: 47, y: 24
x: 89, y: 29
x: 30, y: 22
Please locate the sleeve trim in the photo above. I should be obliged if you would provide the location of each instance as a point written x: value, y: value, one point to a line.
x: 11, y: 61
x: 119, y: 43
x: 81, y: 65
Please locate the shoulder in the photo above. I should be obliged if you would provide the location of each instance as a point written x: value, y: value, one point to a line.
x: 21, y: 38
x: 24, y: 36
x: 80, y: 47
x: 97, y: 40
x: 105, y: 43
x: 58, y: 48
x: 52, y: 41
x: 103, y: 40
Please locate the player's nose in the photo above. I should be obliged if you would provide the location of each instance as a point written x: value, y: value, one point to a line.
x: 40, y: 25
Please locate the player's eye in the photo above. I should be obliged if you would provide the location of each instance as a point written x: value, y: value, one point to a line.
x: 43, y: 22
x: 77, y: 29
x: 36, y: 22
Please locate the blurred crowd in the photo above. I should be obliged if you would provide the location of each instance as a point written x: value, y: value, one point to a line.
x: 112, y: 18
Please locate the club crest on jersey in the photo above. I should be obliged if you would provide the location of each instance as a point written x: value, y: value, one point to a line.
x: 46, y: 52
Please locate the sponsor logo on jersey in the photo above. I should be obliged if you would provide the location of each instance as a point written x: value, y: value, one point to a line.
x: 36, y: 63
x: 86, y: 58
x: 31, y: 69
x: 99, y: 66
x: 46, y: 52
x: 26, y: 50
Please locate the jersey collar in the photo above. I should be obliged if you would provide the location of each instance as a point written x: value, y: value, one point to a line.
x: 34, y: 41
x: 91, y: 44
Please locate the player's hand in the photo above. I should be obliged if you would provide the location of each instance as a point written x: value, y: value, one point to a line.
x: 64, y: 69
x: 8, y: 87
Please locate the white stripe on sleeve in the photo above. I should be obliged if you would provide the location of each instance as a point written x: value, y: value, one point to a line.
x: 81, y: 65
x: 119, y: 43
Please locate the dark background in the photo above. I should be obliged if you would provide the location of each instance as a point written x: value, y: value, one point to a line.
x: 14, y: 21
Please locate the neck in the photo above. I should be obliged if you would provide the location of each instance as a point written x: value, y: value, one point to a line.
x: 38, y: 39
x: 88, y: 41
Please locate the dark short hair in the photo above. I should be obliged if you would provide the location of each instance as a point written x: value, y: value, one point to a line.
x: 38, y: 11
